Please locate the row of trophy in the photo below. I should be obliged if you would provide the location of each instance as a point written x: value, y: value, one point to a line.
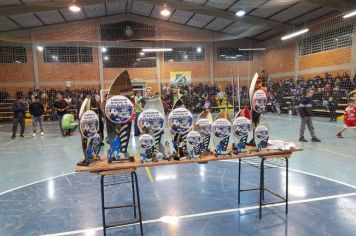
x: 188, y: 139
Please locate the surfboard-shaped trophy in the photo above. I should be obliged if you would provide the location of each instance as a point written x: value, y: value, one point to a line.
x: 165, y: 145
x: 151, y: 121
x: 203, y: 126
x: 91, y: 140
x: 221, y: 130
x: 240, y: 129
x: 258, y: 99
x: 194, y: 144
x: 146, y: 146
x: 261, y: 137
x: 118, y: 112
x: 180, y: 121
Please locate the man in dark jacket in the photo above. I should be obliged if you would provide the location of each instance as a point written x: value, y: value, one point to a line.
x: 18, y: 108
x: 36, y: 111
x: 61, y: 107
x: 306, y: 112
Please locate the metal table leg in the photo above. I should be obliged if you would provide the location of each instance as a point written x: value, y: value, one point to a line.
x: 136, y: 204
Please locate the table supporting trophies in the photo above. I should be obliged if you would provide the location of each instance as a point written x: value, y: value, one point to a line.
x: 189, y: 142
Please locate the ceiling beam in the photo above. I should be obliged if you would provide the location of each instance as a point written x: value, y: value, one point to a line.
x: 214, y: 12
x: 342, y: 5
x: 9, y: 10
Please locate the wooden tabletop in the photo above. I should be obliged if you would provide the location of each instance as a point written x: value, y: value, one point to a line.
x: 103, y: 164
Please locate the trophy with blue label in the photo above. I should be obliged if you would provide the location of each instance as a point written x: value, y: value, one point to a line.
x: 180, y: 121
x: 240, y: 128
x: 91, y: 140
x: 151, y: 122
x: 119, y: 111
x: 194, y: 144
x: 221, y: 130
x: 146, y: 146
x: 261, y: 137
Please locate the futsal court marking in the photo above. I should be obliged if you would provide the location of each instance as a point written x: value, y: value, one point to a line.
x: 36, y: 182
x: 293, y: 119
x: 205, y: 213
x: 307, y: 173
x: 209, y: 213
x: 319, y: 148
x: 235, y: 161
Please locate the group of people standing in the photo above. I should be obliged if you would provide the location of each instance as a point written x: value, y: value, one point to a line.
x: 306, y: 112
x: 36, y: 110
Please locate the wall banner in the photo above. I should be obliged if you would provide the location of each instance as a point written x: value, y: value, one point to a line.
x: 181, y: 78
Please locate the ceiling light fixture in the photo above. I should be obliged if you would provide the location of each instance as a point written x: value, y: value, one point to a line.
x: 142, y: 53
x: 74, y: 8
x: 198, y: 49
x: 157, y: 49
x: 252, y: 49
x: 40, y: 48
x: 349, y: 14
x: 297, y: 33
x: 240, y: 13
x: 104, y: 49
x: 106, y: 58
x: 165, y: 11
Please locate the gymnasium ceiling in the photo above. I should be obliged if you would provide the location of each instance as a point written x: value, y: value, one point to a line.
x: 264, y: 18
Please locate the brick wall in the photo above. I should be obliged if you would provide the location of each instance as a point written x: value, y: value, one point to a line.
x: 326, y: 58
x: 17, y: 76
x: 61, y: 72
x: 279, y: 60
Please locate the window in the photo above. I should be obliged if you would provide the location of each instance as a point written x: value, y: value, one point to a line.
x: 185, y: 54
x: 68, y: 54
x: 341, y: 37
x: 128, y: 58
x: 13, y: 55
x: 234, y: 54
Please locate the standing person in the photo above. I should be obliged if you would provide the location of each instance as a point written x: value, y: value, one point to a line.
x: 306, y: 112
x: 139, y: 109
x: 61, y: 107
x: 279, y: 99
x: 332, y: 108
x: 349, y: 118
x: 36, y: 111
x: 100, y: 116
x: 18, y: 108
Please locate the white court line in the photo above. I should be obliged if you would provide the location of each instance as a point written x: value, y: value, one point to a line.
x: 209, y: 213
x: 36, y: 182
x: 307, y: 173
x: 292, y: 119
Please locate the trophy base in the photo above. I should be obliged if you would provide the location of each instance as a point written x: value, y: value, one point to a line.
x: 241, y: 152
x: 147, y: 160
x: 181, y: 158
x: 206, y: 152
x: 124, y: 159
x: 90, y: 162
x: 222, y: 154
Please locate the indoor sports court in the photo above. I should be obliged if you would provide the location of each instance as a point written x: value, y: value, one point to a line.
x: 177, y: 118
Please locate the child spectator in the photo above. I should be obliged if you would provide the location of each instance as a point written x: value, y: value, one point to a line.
x: 332, y: 108
x: 349, y: 118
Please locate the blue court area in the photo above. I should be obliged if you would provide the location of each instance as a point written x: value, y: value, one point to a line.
x: 39, y: 194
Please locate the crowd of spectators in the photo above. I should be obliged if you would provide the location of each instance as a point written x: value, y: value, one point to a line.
x: 328, y: 90
x: 281, y: 93
x: 48, y: 97
x: 199, y: 97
